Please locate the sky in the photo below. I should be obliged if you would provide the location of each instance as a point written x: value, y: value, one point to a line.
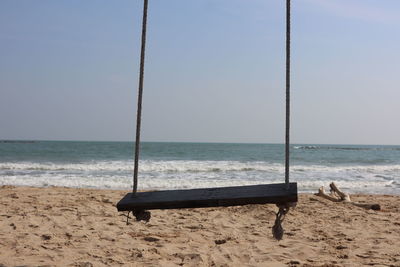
x: 215, y: 71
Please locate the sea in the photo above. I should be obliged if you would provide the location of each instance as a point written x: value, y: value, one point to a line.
x: 164, y: 165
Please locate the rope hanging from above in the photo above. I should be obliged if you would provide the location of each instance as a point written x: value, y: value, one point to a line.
x: 287, y: 134
x: 140, y: 96
x: 277, y: 229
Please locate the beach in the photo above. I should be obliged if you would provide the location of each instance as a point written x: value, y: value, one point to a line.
x: 223, y: 113
x: 58, y: 226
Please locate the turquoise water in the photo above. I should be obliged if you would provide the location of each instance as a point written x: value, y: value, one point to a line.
x: 367, y: 169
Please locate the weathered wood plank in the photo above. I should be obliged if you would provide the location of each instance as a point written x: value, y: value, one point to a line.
x: 210, y: 197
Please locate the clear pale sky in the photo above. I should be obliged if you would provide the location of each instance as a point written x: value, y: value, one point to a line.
x: 214, y: 70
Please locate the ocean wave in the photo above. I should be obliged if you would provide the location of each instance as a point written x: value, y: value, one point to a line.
x: 145, y: 166
x: 185, y: 182
x: 175, y: 174
x: 188, y: 166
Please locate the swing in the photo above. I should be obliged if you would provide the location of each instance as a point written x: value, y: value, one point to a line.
x: 281, y: 194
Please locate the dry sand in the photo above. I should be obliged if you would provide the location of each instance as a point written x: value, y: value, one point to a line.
x: 81, y: 227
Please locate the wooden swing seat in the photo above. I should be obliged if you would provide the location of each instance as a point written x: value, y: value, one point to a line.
x: 210, y: 197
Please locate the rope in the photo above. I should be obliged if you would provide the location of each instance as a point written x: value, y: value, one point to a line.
x: 287, y: 135
x: 277, y: 229
x: 140, y: 96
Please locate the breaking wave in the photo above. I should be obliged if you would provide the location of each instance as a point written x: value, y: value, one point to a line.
x: 173, y: 174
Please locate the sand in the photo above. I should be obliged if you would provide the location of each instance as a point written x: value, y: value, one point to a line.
x: 81, y: 227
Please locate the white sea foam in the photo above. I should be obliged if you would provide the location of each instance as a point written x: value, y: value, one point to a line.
x: 192, y: 174
x: 191, y: 166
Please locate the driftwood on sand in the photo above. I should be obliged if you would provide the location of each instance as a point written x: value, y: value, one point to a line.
x: 337, y: 195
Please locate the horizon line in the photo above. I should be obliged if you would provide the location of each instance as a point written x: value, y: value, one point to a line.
x: 189, y: 142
